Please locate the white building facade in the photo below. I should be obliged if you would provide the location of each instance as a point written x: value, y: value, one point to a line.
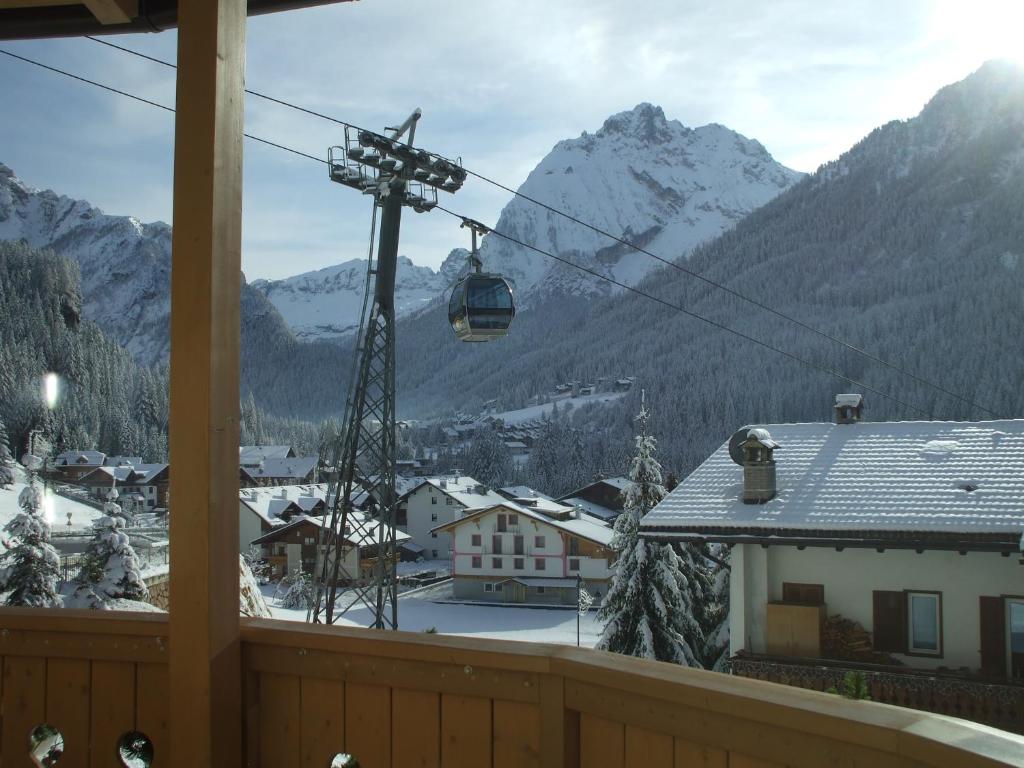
x: 435, y: 501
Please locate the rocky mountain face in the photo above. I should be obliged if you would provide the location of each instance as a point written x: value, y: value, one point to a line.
x: 650, y: 181
x: 125, y: 264
x: 325, y: 304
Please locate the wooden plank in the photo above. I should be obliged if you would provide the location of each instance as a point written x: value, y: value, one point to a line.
x: 280, y: 734
x: 648, y: 749
x: 465, y: 731
x: 691, y: 755
x: 152, y: 709
x: 112, y: 707
x: 205, y: 671
x: 516, y: 735
x: 746, y: 761
x: 415, y: 728
x: 368, y: 724
x: 602, y: 742
x: 68, y: 683
x: 552, y: 722
x: 397, y: 672
x: 113, y: 11
x: 24, y: 707
x: 322, y: 721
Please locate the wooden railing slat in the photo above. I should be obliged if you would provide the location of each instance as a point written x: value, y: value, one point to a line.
x: 516, y: 728
x: 112, y: 708
x: 691, y: 755
x: 24, y: 707
x: 465, y: 731
x: 415, y: 728
x: 323, y: 721
x: 368, y: 724
x: 152, y: 713
x: 602, y: 742
x: 67, y: 707
x: 648, y: 749
x: 280, y: 731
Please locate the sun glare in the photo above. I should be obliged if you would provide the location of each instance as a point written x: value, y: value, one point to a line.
x: 51, y: 390
x: 981, y: 30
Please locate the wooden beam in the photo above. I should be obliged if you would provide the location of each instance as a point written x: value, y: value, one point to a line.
x: 113, y: 11
x: 205, y: 659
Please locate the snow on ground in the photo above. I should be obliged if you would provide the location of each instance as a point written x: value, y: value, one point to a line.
x: 419, y: 611
x: 57, y: 507
x: 544, y: 409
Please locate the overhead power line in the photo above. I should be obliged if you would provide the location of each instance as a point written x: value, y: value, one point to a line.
x: 632, y: 289
x: 622, y: 241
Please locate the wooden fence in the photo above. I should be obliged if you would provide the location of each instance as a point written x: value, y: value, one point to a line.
x: 403, y: 699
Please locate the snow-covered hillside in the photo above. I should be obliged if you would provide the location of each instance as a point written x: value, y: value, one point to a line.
x: 651, y: 181
x: 125, y: 264
x: 326, y: 303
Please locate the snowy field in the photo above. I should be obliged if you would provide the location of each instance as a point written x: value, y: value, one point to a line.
x: 419, y: 611
x: 544, y: 409
x: 56, y: 508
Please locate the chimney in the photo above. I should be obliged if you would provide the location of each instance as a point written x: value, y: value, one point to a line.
x: 758, y: 467
x: 849, y: 408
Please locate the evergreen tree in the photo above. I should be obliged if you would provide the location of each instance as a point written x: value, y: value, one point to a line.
x: 30, y: 568
x: 6, y: 473
x: 489, y: 459
x: 110, y: 569
x: 716, y: 648
x: 648, y: 610
x: 298, y: 590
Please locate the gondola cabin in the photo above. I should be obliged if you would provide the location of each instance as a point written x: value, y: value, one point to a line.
x: 481, y: 307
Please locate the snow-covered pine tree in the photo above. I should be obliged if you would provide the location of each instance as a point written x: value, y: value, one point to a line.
x: 29, y: 569
x: 648, y: 610
x: 6, y: 472
x: 716, y: 647
x: 298, y: 588
x: 489, y: 459
x: 110, y: 569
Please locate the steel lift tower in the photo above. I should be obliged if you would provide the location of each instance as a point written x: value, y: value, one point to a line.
x: 395, y: 175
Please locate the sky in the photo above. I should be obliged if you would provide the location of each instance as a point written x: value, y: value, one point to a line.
x: 500, y: 82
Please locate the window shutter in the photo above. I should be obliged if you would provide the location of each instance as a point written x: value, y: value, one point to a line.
x: 889, y: 621
x: 993, y: 636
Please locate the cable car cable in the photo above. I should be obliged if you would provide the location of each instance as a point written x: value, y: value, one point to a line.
x: 668, y: 262
x: 697, y: 316
x: 790, y: 355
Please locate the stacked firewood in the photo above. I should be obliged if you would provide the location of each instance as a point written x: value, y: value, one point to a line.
x: 842, y: 638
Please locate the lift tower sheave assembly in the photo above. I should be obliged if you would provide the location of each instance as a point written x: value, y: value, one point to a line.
x: 396, y: 175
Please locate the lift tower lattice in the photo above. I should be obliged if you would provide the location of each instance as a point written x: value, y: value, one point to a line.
x: 395, y: 175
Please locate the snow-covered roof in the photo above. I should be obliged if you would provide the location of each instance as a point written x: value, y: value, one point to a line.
x: 249, y: 455
x: 116, y: 461
x: 930, y: 476
x: 464, y: 489
x: 522, y: 492
x: 138, y: 474
x: 79, y: 458
x: 585, y: 527
x: 591, y: 508
x: 269, y: 503
x: 294, y: 468
x: 362, y: 537
x: 547, y: 583
x: 852, y: 400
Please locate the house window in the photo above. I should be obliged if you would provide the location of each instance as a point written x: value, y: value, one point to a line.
x: 433, y: 517
x: 501, y: 521
x: 924, y: 623
x: 310, y: 541
x: 496, y: 544
x: 476, y: 541
x: 513, y: 519
x: 538, y: 542
x: 517, y: 563
x: 433, y: 535
x: 478, y: 562
x: 498, y: 587
x: 574, y: 564
x: 433, y: 499
x: 540, y: 590
x: 574, y: 546
x: 433, y: 554
x: 448, y: 500
x: 488, y: 587
x: 540, y: 563
x: 495, y: 562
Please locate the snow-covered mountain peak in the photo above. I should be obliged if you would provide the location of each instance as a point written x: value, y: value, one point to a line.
x: 645, y: 123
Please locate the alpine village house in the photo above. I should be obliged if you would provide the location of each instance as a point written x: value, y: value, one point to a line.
x: 200, y: 687
x: 891, y: 549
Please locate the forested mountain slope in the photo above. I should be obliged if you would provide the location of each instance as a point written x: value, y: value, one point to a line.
x: 910, y: 245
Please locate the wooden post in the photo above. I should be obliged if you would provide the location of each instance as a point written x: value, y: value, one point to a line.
x: 205, y: 662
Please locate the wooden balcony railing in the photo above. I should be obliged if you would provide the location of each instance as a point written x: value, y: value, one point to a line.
x: 403, y: 699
